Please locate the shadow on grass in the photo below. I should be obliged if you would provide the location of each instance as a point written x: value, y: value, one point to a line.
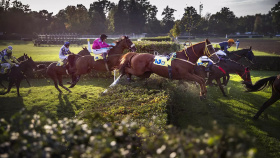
x: 64, y: 109
x: 9, y: 106
x: 236, y: 109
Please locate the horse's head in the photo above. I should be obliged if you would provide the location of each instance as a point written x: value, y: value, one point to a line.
x: 24, y: 57
x: 250, y: 55
x: 210, y: 51
x: 84, y: 52
x: 126, y: 43
x: 246, y: 76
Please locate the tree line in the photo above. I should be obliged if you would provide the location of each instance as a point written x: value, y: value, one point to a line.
x: 131, y: 16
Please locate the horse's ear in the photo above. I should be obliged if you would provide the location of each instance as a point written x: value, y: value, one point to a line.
x: 207, y: 41
x: 247, y: 69
x: 250, y: 47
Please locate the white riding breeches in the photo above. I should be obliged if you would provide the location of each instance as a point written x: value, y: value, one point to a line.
x: 62, y: 57
x: 221, y: 53
x: 100, y: 51
x: 6, y: 65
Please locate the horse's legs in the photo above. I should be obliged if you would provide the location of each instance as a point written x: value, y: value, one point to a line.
x: 17, y: 85
x: 226, y: 79
x: 269, y: 102
x: 11, y: 83
x: 221, y: 87
x: 2, y: 85
x: 27, y: 81
x: 54, y: 78
x: 59, y: 78
x: 200, y: 81
x: 75, y: 81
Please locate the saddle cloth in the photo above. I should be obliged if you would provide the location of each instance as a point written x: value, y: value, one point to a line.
x: 99, y: 57
x: 164, y: 60
x: 59, y: 63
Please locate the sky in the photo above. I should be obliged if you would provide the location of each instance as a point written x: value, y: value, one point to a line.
x: 239, y: 7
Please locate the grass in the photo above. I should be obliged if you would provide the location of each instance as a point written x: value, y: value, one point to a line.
x: 142, y: 101
x: 42, y: 53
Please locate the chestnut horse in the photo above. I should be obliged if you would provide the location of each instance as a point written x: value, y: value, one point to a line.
x: 56, y: 72
x: 86, y: 63
x: 142, y: 65
x: 273, y: 82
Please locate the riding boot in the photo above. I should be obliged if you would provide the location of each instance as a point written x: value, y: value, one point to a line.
x: 104, y: 56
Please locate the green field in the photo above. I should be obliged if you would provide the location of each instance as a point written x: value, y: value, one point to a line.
x: 237, y: 109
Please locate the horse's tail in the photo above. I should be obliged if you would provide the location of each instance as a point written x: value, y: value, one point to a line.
x: 261, y: 84
x: 125, y: 61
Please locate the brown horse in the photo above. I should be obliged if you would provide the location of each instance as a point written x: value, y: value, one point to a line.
x: 16, y: 74
x: 86, y: 63
x: 274, y: 82
x: 142, y: 65
x: 56, y: 72
x: 222, y: 69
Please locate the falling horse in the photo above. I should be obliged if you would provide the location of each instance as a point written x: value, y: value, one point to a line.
x: 56, y: 72
x: 243, y: 53
x: 16, y: 74
x: 223, y: 68
x: 142, y: 65
x: 274, y: 82
x: 86, y: 63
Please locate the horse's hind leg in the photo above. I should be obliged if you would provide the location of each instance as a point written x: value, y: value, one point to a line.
x: 269, y: 102
x: 61, y: 84
x: 11, y: 83
x: 18, y: 85
x: 2, y: 85
x: 54, y: 78
x: 221, y: 87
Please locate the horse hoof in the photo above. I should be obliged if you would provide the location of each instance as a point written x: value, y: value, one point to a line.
x: 72, y: 86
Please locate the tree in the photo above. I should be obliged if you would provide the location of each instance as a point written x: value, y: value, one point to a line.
x: 190, y: 20
x: 223, y: 22
x: 78, y: 20
x: 168, y: 19
x: 121, y: 17
x: 97, y: 12
x: 175, y: 31
x: 275, y: 11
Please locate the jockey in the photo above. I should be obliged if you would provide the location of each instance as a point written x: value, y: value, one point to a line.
x: 4, y: 51
x: 226, y: 44
x: 8, y: 61
x: 64, y: 51
x: 99, y: 46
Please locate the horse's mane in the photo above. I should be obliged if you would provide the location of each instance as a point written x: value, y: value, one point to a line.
x: 121, y: 39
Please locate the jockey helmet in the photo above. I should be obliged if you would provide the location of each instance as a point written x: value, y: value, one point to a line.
x: 230, y: 41
x: 9, y: 51
x: 103, y: 36
x: 10, y: 47
x: 67, y: 44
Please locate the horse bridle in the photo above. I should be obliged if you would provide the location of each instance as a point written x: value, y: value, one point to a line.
x: 245, y: 73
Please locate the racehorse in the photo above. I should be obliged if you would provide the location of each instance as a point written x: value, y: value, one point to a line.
x: 142, y: 65
x: 56, y: 72
x: 237, y: 55
x: 222, y: 69
x: 86, y: 63
x: 16, y: 74
x: 273, y: 82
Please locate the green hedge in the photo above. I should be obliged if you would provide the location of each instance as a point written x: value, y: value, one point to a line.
x: 38, y: 136
x: 160, y: 47
x: 159, y: 38
x: 270, y: 63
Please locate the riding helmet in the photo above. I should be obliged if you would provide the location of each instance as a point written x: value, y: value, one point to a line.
x: 67, y: 44
x: 230, y: 41
x: 103, y: 36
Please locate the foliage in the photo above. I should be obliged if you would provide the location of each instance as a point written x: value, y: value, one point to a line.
x: 175, y: 31
x: 158, y: 38
x: 39, y: 136
x: 276, y: 16
x: 161, y: 47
